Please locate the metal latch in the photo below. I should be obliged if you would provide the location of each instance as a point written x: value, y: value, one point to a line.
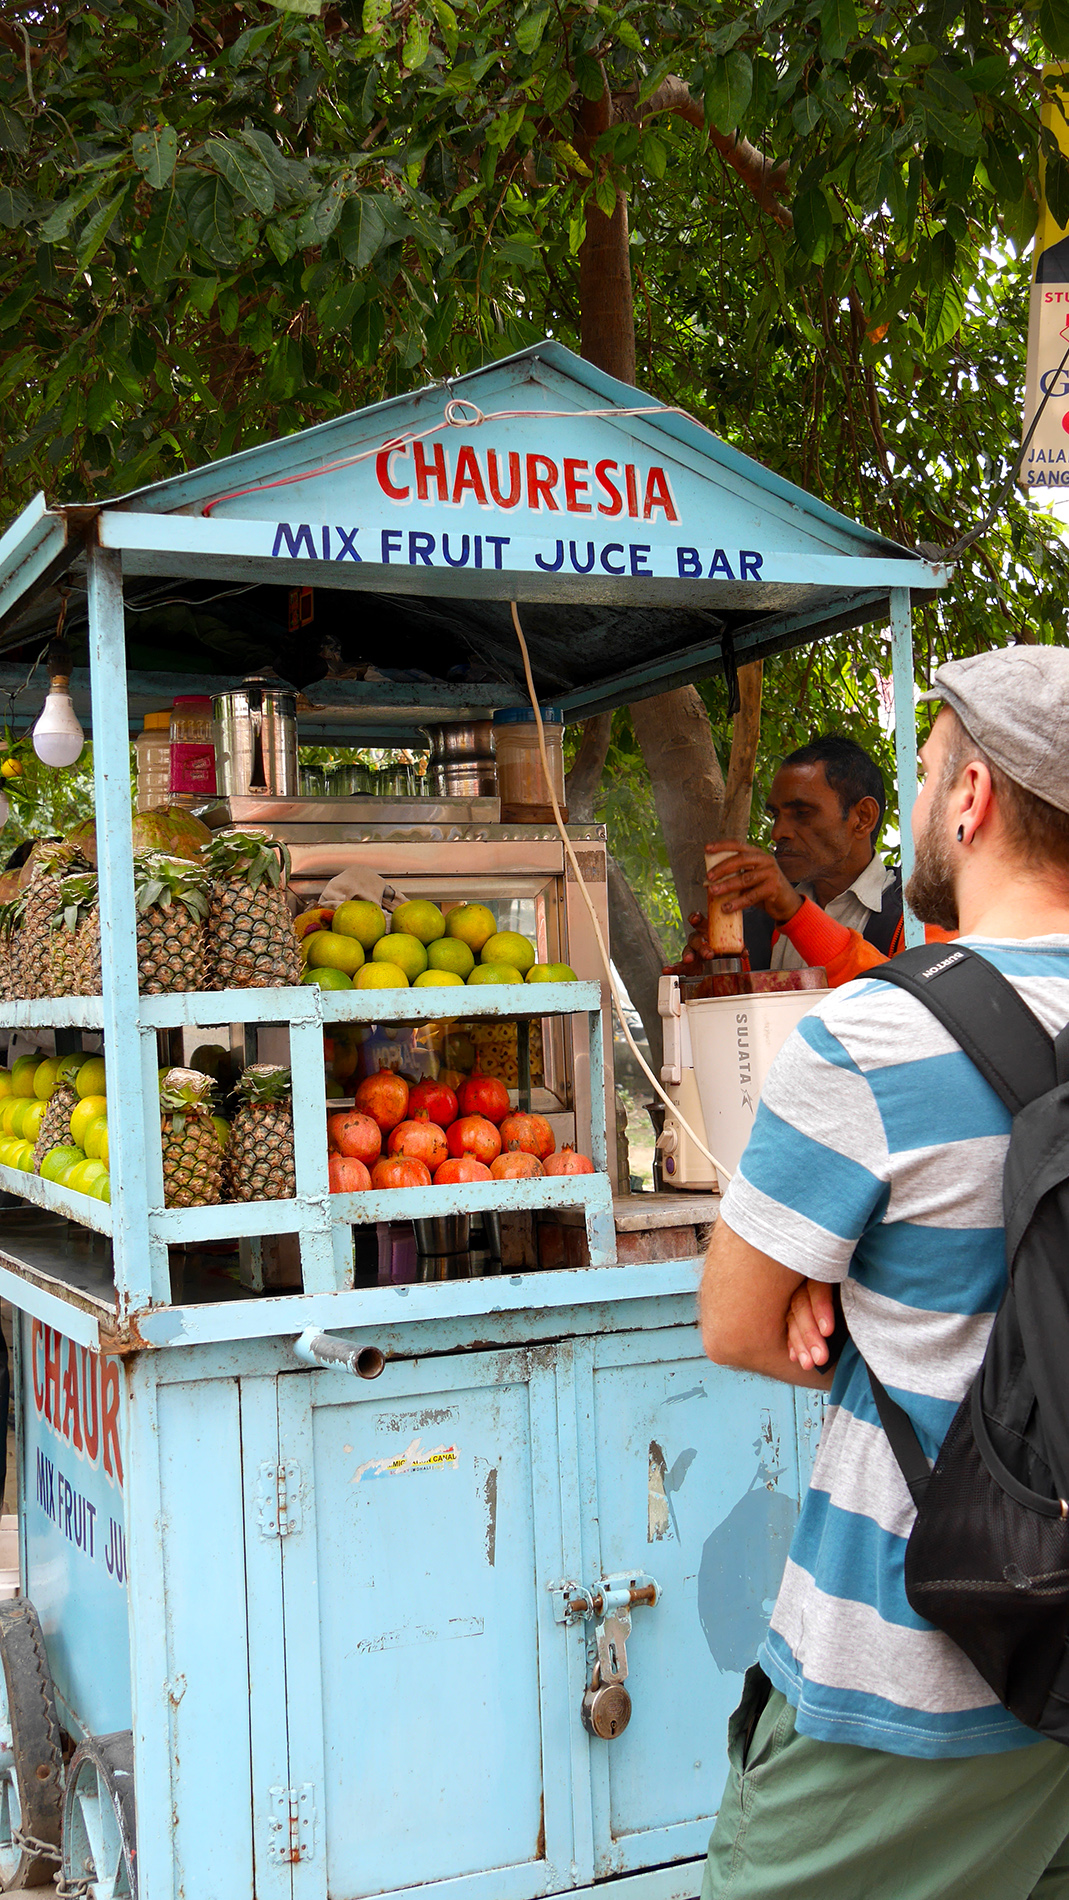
x: 279, y: 1494
x: 606, y: 1704
x: 291, y: 1823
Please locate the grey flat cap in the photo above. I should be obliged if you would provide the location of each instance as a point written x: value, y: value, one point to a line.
x: 1014, y: 701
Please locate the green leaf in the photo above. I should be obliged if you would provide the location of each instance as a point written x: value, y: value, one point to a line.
x: 813, y: 225
x: 98, y: 227
x: 155, y: 153
x: 16, y: 209
x: 557, y: 89
x: 313, y: 7
x: 728, y: 89
x: 530, y: 30
x: 361, y: 231
x: 244, y: 169
x: 653, y: 154
x: 946, y: 308
x: 447, y: 25
x: 210, y: 214
x: 1002, y: 163
x: 13, y: 134
x: 100, y: 403
x: 417, y: 42
x: 162, y: 245
x: 806, y: 113
x: 605, y: 194
x: 589, y: 76
x: 1054, y: 26
x: 838, y: 26
x: 950, y: 110
x: 202, y: 292
x: 337, y: 309
x: 57, y: 226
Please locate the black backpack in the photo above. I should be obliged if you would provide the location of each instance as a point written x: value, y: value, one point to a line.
x: 987, y: 1560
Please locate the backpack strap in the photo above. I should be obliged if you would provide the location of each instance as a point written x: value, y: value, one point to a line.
x: 984, y: 1014
x: 883, y: 923
x: 1016, y: 1056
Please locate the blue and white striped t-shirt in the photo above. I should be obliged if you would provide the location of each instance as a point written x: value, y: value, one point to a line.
x: 876, y: 1161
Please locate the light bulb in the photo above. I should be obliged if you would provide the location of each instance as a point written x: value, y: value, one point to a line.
x: 57, y: 737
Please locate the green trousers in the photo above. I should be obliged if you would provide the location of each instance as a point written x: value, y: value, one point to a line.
x: 808, y: 1820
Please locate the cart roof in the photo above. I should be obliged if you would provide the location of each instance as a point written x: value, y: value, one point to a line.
x: 641, y: 548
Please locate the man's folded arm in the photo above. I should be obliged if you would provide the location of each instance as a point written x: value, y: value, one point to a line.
x: 744, y: 1303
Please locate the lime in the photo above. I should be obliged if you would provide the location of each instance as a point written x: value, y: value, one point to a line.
x: 404, y: 951
x: 70, y: 1065
x: 84, y: 1176
x: 102, y: 1190
x: 8, y: 1108
x: 329, y: 979
x: 507, y: 946
x: 420, y: 918
x: 450, y: 954
x: 46, y: 1078
x: 335, y: 1092
x: 374, y: 976
x: 5, y: 1081
x: 58, y: 1160
x: 362, y: 919
x: 33, y: 1114
x: 22, y: 1158
x: 551, y: 973
x: 326, y: 951
x: 436, y: 979
x: 494, y: 973
x: 95, y: 1137
x: 8, y: 1145
x: 473, y: 924
x: 23, y: 1073
x: 90, y: 1078
x: 17, y: 1118
x: 89, y: 1109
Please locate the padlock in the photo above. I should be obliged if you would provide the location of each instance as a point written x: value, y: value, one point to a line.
x: 606, y: 1711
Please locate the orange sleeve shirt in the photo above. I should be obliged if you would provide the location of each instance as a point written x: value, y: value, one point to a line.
x: 844, y: 953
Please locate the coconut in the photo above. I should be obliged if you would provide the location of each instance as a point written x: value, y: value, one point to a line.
x: 167, y: 828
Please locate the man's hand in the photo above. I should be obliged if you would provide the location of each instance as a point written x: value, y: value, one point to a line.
x: 810, y: 1323
x: 751, y: 877
x: 744, y: 1305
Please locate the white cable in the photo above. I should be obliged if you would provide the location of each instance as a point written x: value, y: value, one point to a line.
x: 589, y: 902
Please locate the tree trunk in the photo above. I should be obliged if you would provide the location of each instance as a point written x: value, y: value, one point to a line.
x: 638, y: 955
x: 745, y: 736
x: 676, y: 739
x: 583, y: 783
x: 606, y: 308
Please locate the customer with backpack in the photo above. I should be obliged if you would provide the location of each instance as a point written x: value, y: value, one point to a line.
x: 871, y: 1759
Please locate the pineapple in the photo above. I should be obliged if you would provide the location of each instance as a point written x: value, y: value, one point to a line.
x: 55, y: 1130
x: 192, y: 1155
x: 172, y: 905
x: 10, y: 925
x: 259, y: 1154
x: 52, y: 861
x: 75, y: 927
x: 251, y: 940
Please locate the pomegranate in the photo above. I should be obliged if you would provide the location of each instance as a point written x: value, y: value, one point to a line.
x: 484, y: 1095
x: 384, y: 1096
x: 400, y: 1171
x: 516, y: 1165
x: 532, y: 1133
x: 568, y: 1162
x: 347, y: 1174
x: 462, y: 1168
x: 474, y: 1135
x: 435, y: 1099
x: 420, y: 1137
x: 351, y: 1133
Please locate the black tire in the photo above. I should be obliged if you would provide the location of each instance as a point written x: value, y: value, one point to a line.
x: 100, y: 1793
x: 31, y: 1758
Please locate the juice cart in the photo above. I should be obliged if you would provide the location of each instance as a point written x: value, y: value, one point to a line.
x: 332, y: 1591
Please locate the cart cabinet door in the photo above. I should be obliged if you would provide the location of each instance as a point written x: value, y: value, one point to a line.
x: 689, y: 1474
x: 425, y: 1687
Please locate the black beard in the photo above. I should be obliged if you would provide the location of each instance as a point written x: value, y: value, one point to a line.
x: 930, y: 890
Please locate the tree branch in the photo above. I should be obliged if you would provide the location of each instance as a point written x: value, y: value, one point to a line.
x: 583, y: 783
x: 745, y: 735
x: 766, y: 181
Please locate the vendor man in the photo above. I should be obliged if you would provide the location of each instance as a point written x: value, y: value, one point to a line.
x: 822, y: 895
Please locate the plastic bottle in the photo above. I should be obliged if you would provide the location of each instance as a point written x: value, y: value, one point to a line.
x: 520, y: 778
x: 153, y: 749
x: 192, y: 749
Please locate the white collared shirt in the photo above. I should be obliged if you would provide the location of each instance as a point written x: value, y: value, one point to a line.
x: 853, y: 907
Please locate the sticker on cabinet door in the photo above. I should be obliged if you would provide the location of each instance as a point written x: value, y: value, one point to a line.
x: 436, y: 1458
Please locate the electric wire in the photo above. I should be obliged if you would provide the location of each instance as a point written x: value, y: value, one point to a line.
x: 603, y: 952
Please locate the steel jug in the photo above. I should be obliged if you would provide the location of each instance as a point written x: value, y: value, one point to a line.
x: 256, y: 739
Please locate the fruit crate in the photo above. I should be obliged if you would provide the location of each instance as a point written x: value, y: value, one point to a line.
x: 321, y: 1219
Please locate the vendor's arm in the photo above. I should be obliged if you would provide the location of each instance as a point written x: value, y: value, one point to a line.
x: 844, y: 953
x: 744, y: 1304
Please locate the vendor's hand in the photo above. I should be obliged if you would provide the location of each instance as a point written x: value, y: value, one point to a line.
x: 751, y: 877
x: 810, y: 1323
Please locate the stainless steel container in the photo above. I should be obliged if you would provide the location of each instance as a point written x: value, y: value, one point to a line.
x: 444, y: 1233
x: 256, y: 739
x: 463, y: 778
x: 473, y: 739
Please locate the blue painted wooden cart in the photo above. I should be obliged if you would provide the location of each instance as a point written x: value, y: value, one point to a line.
x: 329, y: 1633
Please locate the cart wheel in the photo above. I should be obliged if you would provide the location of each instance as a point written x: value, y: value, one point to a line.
x: 31, y: 1760
x: 99, y: 1840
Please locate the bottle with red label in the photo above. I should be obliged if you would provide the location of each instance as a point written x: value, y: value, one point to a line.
x: 192, y: 748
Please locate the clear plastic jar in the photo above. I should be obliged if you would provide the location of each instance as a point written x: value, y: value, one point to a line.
x: 520, y: 779
x: 192, y: 748
x: 153, y: 749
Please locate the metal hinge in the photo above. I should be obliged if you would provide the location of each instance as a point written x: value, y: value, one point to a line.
x: 622, y: 1591
x: 291, y: 1823
x: 279, y: 1494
